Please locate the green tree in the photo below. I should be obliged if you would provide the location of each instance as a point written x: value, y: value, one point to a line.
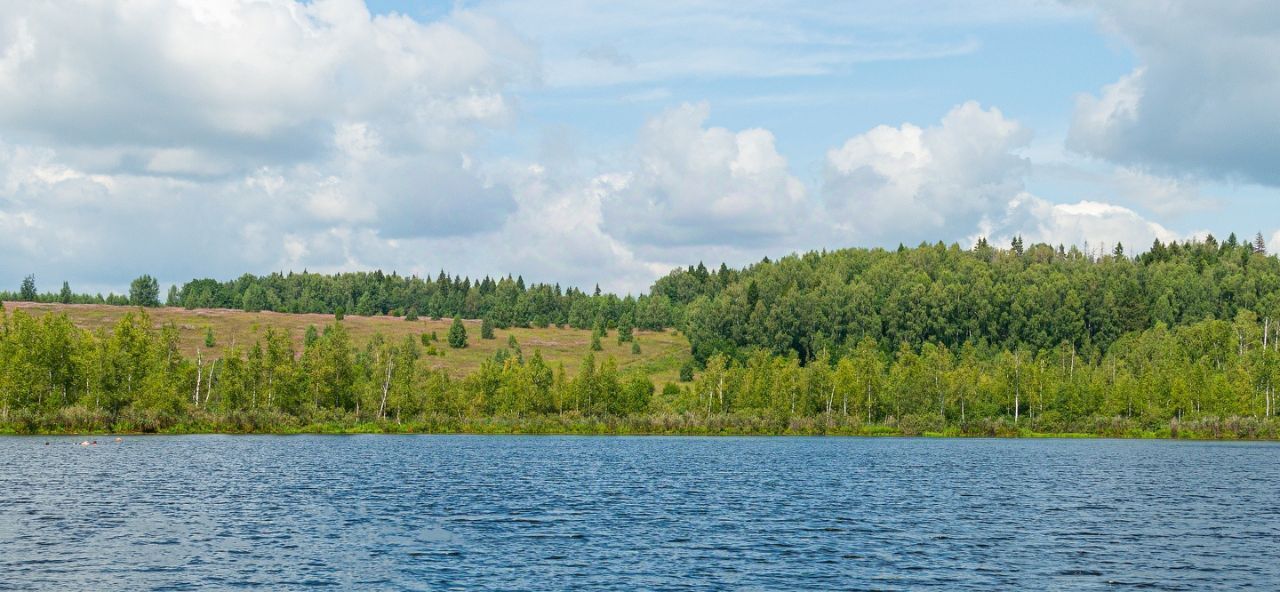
x: 457, y: 334
x: 209, y: 340
x: 144, y: 291
x: 486, y: 328
x: 27, y: 292
x: 64, y: 296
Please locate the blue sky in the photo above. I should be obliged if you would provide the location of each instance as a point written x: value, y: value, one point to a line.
x: 586, y: 142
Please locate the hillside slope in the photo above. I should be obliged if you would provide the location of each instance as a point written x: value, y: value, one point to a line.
x: 662, y: 352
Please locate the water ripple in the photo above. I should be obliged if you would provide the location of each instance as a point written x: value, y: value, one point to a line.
x: 499, y: 513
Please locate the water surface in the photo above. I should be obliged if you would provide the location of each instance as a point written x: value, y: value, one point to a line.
x: 490, y: 513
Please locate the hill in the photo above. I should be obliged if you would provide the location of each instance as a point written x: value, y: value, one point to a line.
x: 662, y: 352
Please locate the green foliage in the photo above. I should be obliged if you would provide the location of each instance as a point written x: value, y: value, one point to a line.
x: 686, y: 371
x: 311, y: 337
x: 144, y: 291
x: 457, y: 334
x: 1034, y: 297
x: 1212, y: 378
x: 486, y: 328
x: 255, y: 299
x: 506, y: 302
x: 412, y: 314
x: 595, y: 342
x: 339, y: 313
x: 635, y: 347
x: 27, y: 291
x: 209, y: 340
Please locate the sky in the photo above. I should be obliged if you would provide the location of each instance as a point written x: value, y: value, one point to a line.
x: 605, y: 143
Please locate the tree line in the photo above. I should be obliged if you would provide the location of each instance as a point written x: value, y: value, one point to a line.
x: 1209, y: 378
x: 1035, y: 299
x: 929, y: 338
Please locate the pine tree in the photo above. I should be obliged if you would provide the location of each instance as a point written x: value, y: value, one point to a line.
x: 457, y: 334
x: 27, y: 292
x: 412, y: 314
x: 486, y: 328
x: 64, y: 296
x: 595, y: 342
x: 311, y: 336
x: 635, y: 347
x: 209, y: 341
x: 1259, y: 246
x: 625, y: 329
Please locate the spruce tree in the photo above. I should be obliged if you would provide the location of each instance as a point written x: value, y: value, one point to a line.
x: 486, y: 328
x: 595, y: 342
x: 65, y: 295
x: 457, y: 334
x: 27, y: 292
x: 209, y: 341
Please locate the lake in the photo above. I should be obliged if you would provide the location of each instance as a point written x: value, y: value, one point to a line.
x: 627, y: 513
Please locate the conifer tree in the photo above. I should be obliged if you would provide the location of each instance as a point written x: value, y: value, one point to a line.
x: 457, y: 334
x: 486, y: 328
x: 64, y: 296
x: 27, y: 292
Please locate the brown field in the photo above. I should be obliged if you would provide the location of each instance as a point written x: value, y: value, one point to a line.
x: 661, y: 355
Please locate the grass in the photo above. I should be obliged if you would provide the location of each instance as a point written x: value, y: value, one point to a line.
x: 662, y: 352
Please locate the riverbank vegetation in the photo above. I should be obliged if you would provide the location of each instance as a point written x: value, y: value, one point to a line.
x: 1180, y: 341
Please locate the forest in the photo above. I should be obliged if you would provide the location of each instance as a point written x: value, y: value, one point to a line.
x: 1180, y: 340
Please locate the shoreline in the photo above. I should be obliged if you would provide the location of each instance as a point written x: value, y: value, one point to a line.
x: 365, y: 431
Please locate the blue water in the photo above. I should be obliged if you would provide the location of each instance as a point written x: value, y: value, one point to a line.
x: 490, y: 513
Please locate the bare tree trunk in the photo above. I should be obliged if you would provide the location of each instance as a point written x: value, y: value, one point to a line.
x: 195, y: 398
x: 208, y: 393
x: 386, y: 386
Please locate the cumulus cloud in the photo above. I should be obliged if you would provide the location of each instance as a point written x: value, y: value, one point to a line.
x: 1095, y: 224
x: 1203, y: 97
x: 911, y: 183
x: 182, y: 138
x: 266, y: 80
x: 692, y: 185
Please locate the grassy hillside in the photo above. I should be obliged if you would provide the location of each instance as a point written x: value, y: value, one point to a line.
x: 661, y: 355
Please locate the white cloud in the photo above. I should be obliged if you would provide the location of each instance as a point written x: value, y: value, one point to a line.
x: 187, y: 138
x: 1203, y: 97
x: 910, y: 183
x: 265, y: 80
x: 692, y: 184
x: 1162, y: 195
x: 1096, y: 224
